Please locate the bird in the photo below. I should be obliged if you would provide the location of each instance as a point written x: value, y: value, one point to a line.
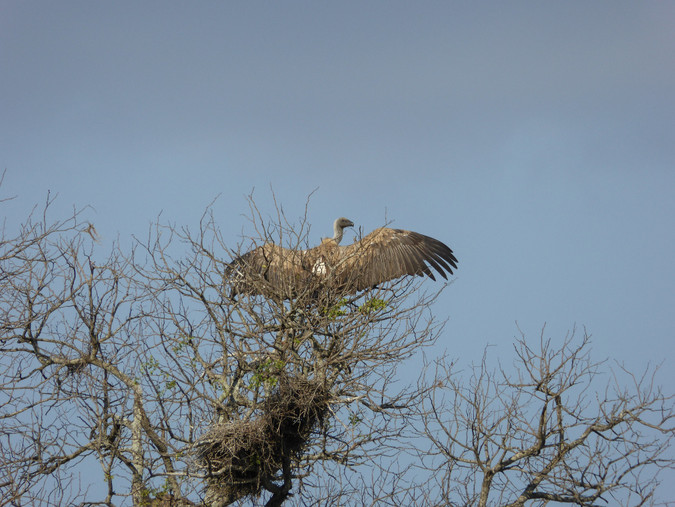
x: 383, y: 255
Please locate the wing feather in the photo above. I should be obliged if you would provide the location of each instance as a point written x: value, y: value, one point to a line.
x: 386, y: 254
x: 268, y: 266
x: 405, y: 253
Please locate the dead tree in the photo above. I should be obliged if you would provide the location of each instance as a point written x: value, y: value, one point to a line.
x: 550, y: 429
x: 141, y: 365
x: 134, y: 377
x: 289, y: 382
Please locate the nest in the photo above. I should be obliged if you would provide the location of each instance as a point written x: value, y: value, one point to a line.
x: 242, y: 456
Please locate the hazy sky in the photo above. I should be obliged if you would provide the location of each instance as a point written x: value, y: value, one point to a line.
x: 537, y: 139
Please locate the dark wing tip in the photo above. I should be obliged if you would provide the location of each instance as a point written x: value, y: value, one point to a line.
x: 435, y: 253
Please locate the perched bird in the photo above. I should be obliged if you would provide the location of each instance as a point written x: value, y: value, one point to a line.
x: 384, y: 254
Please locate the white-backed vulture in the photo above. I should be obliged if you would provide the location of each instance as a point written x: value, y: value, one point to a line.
x: 384, y: 254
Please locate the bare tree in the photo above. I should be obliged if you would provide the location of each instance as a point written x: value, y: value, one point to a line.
x: 140, y: 377
x: 551, y: 429
x: 70, y: 390
x: 284, y: 383
x: 145, y: 365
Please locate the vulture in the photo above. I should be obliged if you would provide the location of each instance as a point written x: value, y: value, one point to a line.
x: 384, y: 254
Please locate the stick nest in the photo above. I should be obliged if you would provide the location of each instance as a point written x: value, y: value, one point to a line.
x: 243, y: 456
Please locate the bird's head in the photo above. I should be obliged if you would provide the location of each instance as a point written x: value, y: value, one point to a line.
x: 343, y: 222
x: 339, y: 226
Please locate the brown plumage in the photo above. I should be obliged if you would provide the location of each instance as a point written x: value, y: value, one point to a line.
x: 384, y: 254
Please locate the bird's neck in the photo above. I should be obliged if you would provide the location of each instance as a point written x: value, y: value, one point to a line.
x: 337, y: 233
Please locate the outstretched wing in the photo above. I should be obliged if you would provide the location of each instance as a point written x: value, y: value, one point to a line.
x: 267, y: 267
x: 386, y: 254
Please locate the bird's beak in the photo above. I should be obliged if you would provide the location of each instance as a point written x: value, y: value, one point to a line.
x: 350, y: 224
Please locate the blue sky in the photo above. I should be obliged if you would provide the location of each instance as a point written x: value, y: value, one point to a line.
x: 535, y: 138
